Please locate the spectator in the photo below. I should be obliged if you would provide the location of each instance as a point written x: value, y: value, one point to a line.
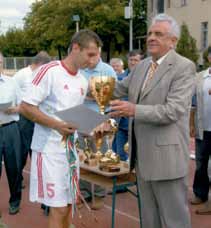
x: 200, y: 128
x: 121, y: 136
x: 10, y: 141
x: 117, y: 65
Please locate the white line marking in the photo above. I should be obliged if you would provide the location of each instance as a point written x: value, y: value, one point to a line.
x: 122, y: 213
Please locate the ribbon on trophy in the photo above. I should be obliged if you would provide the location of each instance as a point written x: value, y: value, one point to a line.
x: 74, y: 182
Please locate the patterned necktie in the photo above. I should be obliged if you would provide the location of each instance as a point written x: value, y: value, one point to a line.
x: 150, y: 75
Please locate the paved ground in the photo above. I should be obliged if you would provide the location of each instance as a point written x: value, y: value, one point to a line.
x: 31, y: 216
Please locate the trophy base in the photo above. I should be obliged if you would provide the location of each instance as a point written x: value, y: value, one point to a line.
x: 109, y: 168
x: 108, y: 161
x: 91, y: 162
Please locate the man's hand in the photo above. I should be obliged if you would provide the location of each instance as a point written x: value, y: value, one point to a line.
x: 122, y: 108
x: 12, y: 110
x: 64, y: 128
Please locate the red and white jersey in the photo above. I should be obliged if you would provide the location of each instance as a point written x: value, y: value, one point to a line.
x: 53, y: 89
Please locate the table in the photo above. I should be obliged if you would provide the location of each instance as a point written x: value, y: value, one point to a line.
x: 111, y: 180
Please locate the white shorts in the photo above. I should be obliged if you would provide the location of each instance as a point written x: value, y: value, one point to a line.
x: 50, y: 179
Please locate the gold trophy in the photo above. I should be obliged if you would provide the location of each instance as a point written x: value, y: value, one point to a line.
x: 101, y: 88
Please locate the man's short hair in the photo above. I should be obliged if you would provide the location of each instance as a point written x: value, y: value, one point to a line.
x: 41, y: 58
x: 174, y: 27
x: 135, y: 52
x: 116, y: 60
x: 83, y: 38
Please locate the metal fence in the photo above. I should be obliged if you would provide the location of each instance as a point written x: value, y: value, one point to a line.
x: 16, y: 63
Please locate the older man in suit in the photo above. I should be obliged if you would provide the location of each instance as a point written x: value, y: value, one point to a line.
x: 159, y: 91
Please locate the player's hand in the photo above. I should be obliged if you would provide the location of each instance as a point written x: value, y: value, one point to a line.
x: 122, y: 108
x: 64, y: 128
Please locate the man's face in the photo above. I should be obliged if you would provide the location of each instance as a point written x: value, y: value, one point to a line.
x: 159, y: 40
x: 133, y: 61
x: 85, y: 56
x: 118, y: 68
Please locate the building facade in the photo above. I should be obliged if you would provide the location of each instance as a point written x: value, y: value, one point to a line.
x: 195, y: 13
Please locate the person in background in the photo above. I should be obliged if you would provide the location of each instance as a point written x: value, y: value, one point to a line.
x: 117, y: 65
x: 200, y: 128
x: 57, y: 86
x: 121, y: 136
x: 10, y: 140
x: 96, y: 67
x: 23, y: 78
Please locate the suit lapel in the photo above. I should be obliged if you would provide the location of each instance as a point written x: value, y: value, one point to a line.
x: 161, y: 71
x: 140, y: 77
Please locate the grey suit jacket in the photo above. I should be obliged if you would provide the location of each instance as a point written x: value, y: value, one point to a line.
x: 161, y: 122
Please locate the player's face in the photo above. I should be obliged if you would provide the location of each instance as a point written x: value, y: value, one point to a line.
x: 88, y: 55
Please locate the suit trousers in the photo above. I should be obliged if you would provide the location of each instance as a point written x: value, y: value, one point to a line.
x: 164, y: 203
x: 201, y: 179
x: 10, y: 152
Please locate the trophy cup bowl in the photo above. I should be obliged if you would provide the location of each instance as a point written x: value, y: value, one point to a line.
x: 101, y: 88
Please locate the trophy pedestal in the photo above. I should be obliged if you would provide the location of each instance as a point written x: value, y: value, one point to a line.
x: 109, y: 168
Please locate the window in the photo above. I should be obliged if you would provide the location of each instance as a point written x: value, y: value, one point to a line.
x: 204, y: 35
x: 160, y: 6
x: 183, y: 2
x: 168, y: 3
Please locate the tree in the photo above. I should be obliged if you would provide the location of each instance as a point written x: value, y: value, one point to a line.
x: 49, y: 25
x: 14, y: 43
x: 187, y: 45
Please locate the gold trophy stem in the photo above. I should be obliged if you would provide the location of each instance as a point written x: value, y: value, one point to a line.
x: 102, y: 109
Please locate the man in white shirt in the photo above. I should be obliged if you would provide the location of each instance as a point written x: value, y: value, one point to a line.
x: 10, y: 142
x: 57, y: 86
x: 24, y: 78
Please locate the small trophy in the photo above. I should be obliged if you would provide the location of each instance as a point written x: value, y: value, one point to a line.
x: 102, y: 89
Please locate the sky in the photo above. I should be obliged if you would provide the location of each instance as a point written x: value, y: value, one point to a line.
x: 12, y: 13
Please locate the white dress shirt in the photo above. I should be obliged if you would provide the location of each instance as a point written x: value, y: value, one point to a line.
x: 9, y: 93
x: 207, y: 101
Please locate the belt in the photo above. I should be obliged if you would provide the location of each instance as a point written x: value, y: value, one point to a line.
x: 6, y: 124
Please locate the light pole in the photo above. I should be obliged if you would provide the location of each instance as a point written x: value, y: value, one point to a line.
x: 76, y: 18
x: 129, y: 15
